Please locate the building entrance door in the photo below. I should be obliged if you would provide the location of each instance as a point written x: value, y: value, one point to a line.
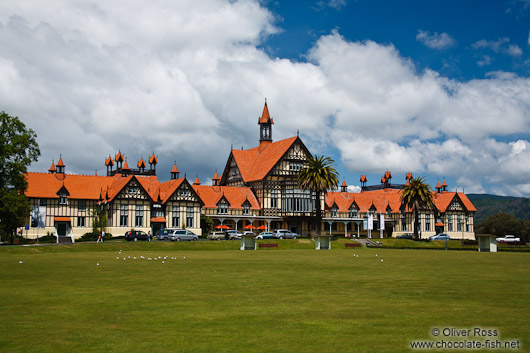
x: 62, y: 228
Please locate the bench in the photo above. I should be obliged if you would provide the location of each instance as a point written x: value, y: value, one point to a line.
x: 268, y: 245
x: 352, y: 245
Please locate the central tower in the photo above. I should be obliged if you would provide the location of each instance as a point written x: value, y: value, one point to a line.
x: 265, y: 128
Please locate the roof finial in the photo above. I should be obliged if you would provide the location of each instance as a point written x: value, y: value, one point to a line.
x: 265, y: 100
x: 297, y: 133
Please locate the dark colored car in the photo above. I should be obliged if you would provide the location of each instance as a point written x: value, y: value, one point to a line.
x: 405, y: 236
x: 136, y: 235
x: 163, y: 234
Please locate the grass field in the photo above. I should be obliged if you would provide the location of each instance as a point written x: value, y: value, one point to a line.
x: 219, y: 299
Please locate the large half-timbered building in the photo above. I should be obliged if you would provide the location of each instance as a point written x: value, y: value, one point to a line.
x: 258, y: 188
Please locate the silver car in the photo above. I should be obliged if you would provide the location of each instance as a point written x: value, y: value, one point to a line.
x: 285, y: 234
x: 183, y: 234
x: 233, y: 234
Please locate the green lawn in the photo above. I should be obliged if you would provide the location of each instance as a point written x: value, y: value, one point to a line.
x: 291, y: 299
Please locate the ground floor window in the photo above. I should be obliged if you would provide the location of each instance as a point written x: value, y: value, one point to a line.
x: 427, y: 222
x: 189, y: 217
x: 81, y: 221
x: 139, y: 220
x: 450, y: 223
x: 124, y: 215
x: 176, y: 216
x: 296, y: 200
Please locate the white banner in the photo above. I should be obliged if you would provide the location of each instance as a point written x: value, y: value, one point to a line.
x: 370, y: 222
x: 381, y: 221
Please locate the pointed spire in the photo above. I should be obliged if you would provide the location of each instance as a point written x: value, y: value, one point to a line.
x: 119, y: 157
x: 216, y: 179
x: 175, y: 172
x: 52, y: 168
x: 265, y: 116
x: 197, y: 182
x: 141, y: 164
x: 60, y: 165
x: 153, y: 159
x: 125, y: 166
x: 344, y: 186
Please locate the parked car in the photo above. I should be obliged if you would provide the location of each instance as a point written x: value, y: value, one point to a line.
x: 266, y: 235
x: 136, y: 235
x: 508, y: 239
x: 217, y: 235
x: 183, y: 234
x: 163, y: 234
x: 248, y: 233
x: 233, y: 234
x: 285, y: 234
x: 441, y: 236
x: 405, y: 236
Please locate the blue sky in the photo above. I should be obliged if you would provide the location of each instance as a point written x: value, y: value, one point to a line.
x: 437, y: 88
x: 399, y: 23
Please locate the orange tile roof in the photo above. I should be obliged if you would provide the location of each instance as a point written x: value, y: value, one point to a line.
x: 255, y: 165
x: 443, y: 200
x: 236, y: 196
x: 46, y: 185
x: 265, y: 116
x: 380, y: 199
x: 168, y: 188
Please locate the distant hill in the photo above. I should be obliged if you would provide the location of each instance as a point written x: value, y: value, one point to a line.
x: 488, y: 205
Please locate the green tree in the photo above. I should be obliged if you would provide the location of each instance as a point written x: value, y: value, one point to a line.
x: 318, y: 176
x: 18, y: 149
x: 500, y: 224
x: 415, y: 195
x: 206, y: 224
x: 100, y: 221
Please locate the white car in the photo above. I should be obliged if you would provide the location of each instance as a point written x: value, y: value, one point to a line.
x: 509, y: 239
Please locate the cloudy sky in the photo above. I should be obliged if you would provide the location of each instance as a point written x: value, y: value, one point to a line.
x: 438, y: 88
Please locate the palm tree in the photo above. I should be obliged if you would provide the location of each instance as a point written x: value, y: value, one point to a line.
x: 417, y: 194
x: 318, y: 176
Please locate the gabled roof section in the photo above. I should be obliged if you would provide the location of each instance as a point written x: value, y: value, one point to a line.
x: 380, y: 199
x: 235, y: 196
x: 141, y: 163
x: 150, y: 186
x: 169, y: 188
x: 255, y: 165
x: 443, y: 200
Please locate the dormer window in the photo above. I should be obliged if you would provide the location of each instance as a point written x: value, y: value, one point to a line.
x: 354, y: 212
x: 334, y: 211
x: 246, y: 209
x: 222, y: 208
x: 62, y: 199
